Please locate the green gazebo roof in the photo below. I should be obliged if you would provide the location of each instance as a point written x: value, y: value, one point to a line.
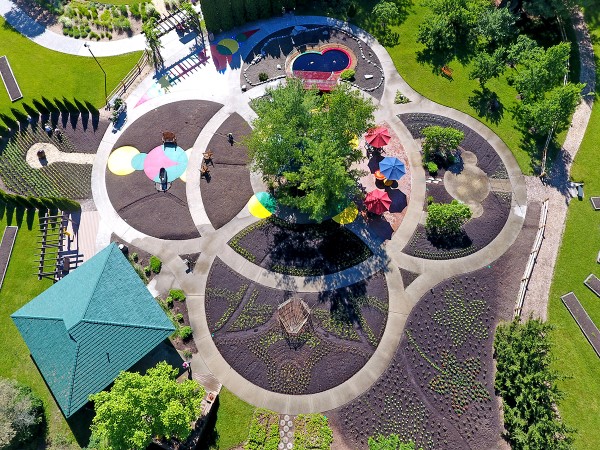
x: 97, y: 321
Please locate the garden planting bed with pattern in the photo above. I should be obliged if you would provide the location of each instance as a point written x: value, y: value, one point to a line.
x: 300, y: 249
x: 438, y: 389
x: 345, y: 328
x: 478, y: 231
x: 277, y: 50
x: 163, y: 215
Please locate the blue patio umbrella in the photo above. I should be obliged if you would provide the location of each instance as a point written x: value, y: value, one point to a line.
x: 392, y: 168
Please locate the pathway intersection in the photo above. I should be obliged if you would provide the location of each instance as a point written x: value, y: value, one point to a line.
x: 224, y: 88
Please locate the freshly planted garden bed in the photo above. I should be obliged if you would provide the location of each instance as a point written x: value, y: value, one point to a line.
x: 300, y: 249
x: 343, y: 330
x: 439, y: 388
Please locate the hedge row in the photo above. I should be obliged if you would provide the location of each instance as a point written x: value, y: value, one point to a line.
x: 41, y: 203
x: 221, y: 15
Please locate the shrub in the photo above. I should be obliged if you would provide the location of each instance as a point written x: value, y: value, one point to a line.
x: 155, y: 264
x: 169, y: 301
x: 177, y: 294
x: 262, y: 77
x: 179, y: 317
x: 431, y: 167
x: 187, y: 353
x: 147, y: 271
x: 185, y: 332
x: 21, y: 415
x: 347, y: 74
x: 441, y: 142
x: 446, y: 219
x: 134, y: 257
x: 123, y: 10
x: 429, y: 200
x: 400, y: 98
x: 135, y: 10
x: 527, y: 384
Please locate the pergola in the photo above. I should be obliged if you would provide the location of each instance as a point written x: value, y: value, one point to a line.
x: 294, y: 316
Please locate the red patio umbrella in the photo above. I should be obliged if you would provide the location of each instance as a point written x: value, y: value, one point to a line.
x: 378, y: 137
x: 378, y: 202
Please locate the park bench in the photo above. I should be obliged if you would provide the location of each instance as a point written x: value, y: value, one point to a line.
x: 447, y: 71
x: 593, y: 283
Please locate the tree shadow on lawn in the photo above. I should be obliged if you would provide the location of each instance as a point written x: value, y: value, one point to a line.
x: 487, y: 104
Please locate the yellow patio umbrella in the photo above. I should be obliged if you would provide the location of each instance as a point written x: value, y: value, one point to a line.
x: 347, y: 216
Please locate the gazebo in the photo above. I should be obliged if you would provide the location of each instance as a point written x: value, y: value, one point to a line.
x: 95, y: 322
x: 294, y: 317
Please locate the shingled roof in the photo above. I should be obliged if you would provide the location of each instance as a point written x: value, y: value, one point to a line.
x: 95, y: 322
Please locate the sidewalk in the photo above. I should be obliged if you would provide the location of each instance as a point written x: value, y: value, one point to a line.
x: 39, y: 34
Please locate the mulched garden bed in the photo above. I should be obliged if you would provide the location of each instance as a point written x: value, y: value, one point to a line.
x: 300, y: 249
x: 487, y: 159
x: 179, y: 343
x: 277, y: 50
x: 134, y: 197
x: 228, y: 188
x: 478, y: 232
x: 346, y: 326
x: 439, y: 387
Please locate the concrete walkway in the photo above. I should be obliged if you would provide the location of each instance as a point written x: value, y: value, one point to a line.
x: 208, y: 84
x: 39, y: 34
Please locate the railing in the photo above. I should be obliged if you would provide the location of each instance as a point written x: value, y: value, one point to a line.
x: 126, y: 82
x: 532, y: 258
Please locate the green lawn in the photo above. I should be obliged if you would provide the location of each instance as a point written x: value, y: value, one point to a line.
x: 459, y: 92
x: 232, y: 423
x: 576, y: 260
x: 20, y: 286
x: 45, y: 73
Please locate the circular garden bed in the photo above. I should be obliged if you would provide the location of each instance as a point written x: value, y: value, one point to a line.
x: 343, y: 330
x: 300, y: 249
x: 495, y: 208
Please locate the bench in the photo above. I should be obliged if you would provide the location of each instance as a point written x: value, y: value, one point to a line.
x: 595, y: 203
x: 447, y: 71
x: 587, y: 326
x: 593, y: 284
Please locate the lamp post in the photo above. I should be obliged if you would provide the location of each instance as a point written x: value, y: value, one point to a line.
x: 86, y: 45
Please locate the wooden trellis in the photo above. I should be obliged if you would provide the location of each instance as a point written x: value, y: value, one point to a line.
x: 55, y: 259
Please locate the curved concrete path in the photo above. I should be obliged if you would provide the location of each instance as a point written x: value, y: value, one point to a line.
x: 387, y: 256
x: 41, y: 35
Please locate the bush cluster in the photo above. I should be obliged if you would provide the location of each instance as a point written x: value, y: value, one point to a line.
x: 21, y: 415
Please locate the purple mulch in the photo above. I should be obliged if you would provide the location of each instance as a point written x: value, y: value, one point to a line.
x: 404, y: 400
x: 228, y: 188
x: 345, y: 328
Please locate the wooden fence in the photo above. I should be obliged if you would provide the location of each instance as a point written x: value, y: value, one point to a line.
x: 130, y: 78
x: 532, y: 258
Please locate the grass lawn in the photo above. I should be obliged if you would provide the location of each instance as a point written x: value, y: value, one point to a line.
x: 459, y: 92
x: 45, y: 73
x: 232, y: 423
x: 576, y: 260
x: 20, y: 286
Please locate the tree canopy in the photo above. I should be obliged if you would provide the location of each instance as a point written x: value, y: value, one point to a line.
x: 528, y: 387
x: 447, y: 219
x: 385, y: 12
x: 140, y: 407
x: 441, y: 142
x: 301, y: 143
x: 21, y: 415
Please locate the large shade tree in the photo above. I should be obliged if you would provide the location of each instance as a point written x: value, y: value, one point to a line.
x: 301, y: 142
x: 141, y: 407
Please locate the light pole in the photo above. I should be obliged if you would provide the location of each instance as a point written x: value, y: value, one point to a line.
x: 86, y: 45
